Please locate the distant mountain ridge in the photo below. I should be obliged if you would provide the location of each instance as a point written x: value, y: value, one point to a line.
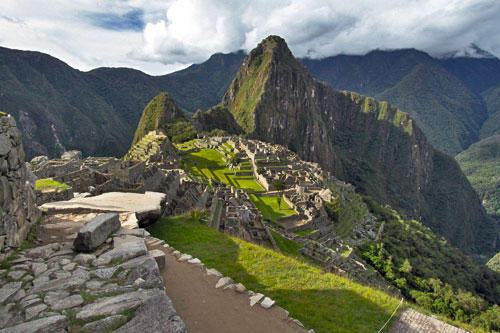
x: 60, y: 108
x: 370, y: 144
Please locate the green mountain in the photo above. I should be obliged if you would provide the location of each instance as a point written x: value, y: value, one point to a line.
x: 59, y: 108
x: 481, y: 165
x: 438, y: 94
x: 370, y: 144
x: 157, y: 114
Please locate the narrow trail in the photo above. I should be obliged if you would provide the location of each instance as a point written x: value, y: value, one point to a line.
x: 206, y: 309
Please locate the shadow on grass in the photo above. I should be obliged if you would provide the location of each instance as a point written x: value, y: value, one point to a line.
x: 321, y: 301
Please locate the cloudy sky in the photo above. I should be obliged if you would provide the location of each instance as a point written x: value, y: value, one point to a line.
x: 160, y: 36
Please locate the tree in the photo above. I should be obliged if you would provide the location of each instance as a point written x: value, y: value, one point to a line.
x: 280, y: 186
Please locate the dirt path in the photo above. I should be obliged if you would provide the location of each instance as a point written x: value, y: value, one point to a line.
x: 206, y: 309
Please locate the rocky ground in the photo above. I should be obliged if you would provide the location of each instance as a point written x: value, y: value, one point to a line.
x: 117, y: 285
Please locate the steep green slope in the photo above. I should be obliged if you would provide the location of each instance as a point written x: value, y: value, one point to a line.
x: 159, y: 112
x: 444, y: 107
x: 481, y: 165
x: 492, y: 124
x: 370, y: 144
x: 214, y: 118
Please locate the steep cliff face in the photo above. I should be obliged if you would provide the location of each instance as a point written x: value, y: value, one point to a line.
x: 371, y: 144
x: 216, y: 117
x: 18, y: 210
x: 160, y: 111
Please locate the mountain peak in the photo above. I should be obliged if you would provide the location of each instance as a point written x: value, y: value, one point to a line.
x: 161, y: 110
x: 471, y: 51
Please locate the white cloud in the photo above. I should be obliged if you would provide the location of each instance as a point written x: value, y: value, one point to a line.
x: 179, y: 32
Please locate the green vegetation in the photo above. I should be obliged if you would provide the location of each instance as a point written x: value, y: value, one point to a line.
x: 430, y: 272
x: 481, y: 164
x: 270, y: 208
x: 48, y: 184
x: 249, y: 85
x: 321, y: 301
x: 2, y: 114
x: 306, y: 232
x: 180, y: 131
x: 159, y: 112
x: 286, y: 246
x: 209, y: 163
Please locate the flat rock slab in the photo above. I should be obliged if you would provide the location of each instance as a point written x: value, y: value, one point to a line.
x: 8, y: 290
x: 115, y: 304
x: 49, y: 324
x: 411, y: 321
x: 148, y: 203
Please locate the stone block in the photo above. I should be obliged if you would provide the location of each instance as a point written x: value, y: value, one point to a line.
x: 159, y: 256
x: 95, y: 232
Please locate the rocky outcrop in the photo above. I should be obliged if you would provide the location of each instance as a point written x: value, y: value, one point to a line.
x: 370, y: 144
x: 95, y: 232
x: 216, y: 117
x: 47, y: 287
x: 18, y: 210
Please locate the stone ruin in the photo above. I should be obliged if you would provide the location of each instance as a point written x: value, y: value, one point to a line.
x: 18, y: 210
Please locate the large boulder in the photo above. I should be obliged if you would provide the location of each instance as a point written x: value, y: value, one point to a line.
x: 95, y: 232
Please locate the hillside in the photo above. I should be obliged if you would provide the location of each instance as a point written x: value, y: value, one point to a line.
x: 357, y: 139
x: 436, y: 93
x: 481, y: 165
x: 59, y: 108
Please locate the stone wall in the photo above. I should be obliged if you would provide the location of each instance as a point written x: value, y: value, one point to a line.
x: 18, y: 210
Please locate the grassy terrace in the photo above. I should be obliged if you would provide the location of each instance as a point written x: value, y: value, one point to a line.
x: 321, y: 301
x: 47, y: 184
x: 209, y: 164
x: 269, y: 208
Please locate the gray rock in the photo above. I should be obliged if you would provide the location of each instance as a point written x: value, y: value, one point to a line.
x: 157, y: 314
x: 67, y: 303
x: 94, y: 285
x: 81, y: 273
x: 69, y: 267
x: 225, y: 281
x: 115, y: 304
x: 20, y: 260
x: 133, y: 232
x: 42, y: 251
x: 126, y: 251
x: 44, y: 325
x: 84, y: 259
x: 256, y: 299
x: 214, y: 272
x: 38, y: 268
x: 19, y: 295
x: 105, y: 324
x: 21, y: 267
x: 64, y: 252
x: 40, y: 281
x: 61, y: 275
x: 159, y: 256
x: 30, y: 301
x: 149, y: 272
x: 267, y: 303
x: 64, y: 261
x: 59, y: 284
x: 240, y: 288
x: 5, y: 315
x: 16, y: 275
x: 185, y: 257
x: 8, y: 290
x: 33, y: 311
x: 105, y: 273
x: 52, y: 297
x: 194, y: 261
x: 122, y: 239
x: 95, y: 232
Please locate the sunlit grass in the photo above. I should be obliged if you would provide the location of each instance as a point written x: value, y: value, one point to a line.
x: 48, y: 184
x: 269, y: 207
x: 321, y: 301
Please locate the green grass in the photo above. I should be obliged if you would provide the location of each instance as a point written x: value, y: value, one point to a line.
x: 268, y: 206
x: 305, y: 232
x: 47, y: 184
x: 321, y: 301
x: 286, y: 246
x: 210, y: 164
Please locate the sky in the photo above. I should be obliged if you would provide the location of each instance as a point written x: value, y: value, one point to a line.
x: 161, y: 36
